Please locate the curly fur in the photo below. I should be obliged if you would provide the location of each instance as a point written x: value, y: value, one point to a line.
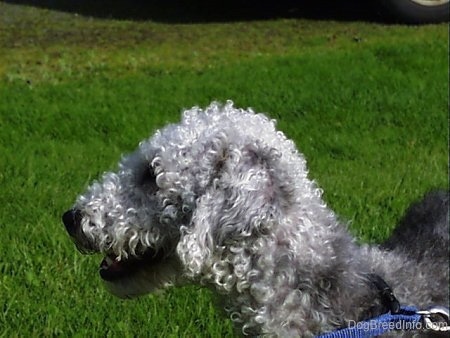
x: 223, y: 199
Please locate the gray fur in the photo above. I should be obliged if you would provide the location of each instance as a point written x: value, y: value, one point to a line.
x: 223, y: 199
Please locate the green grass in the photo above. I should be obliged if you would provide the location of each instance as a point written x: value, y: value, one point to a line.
x: 366, y: 104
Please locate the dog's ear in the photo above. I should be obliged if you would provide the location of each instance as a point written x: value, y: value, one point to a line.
x: 248, y: 191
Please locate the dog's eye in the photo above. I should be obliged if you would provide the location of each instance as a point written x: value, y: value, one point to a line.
x: 147, y: 178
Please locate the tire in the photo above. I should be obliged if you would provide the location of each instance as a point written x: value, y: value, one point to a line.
x: 417, y: 11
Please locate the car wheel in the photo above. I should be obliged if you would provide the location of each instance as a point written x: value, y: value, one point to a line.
x: 418, y: 11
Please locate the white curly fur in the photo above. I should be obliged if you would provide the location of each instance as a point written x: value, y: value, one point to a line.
x: 227, y: 200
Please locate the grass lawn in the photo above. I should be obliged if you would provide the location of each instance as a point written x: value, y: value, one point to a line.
x: 366, y: 103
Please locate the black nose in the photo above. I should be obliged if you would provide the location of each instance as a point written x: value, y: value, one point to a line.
x: 72, y: 220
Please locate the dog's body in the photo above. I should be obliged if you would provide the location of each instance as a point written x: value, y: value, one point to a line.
x: 223, y: 199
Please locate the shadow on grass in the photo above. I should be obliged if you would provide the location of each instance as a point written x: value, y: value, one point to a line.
x: 201, y: 11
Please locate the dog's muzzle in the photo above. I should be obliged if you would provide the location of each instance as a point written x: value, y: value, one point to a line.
x: 72, y: 221
x: 111, y: 268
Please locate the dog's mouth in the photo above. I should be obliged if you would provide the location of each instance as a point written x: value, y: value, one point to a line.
x: 112, y: 269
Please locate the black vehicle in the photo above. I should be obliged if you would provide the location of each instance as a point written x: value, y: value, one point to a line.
x: 417, y: 11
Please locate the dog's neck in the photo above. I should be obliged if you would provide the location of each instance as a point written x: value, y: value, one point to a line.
x: 327, y: 291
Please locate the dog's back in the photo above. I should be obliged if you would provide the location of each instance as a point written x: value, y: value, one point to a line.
x: 424, y: 230
x: 422, y: 237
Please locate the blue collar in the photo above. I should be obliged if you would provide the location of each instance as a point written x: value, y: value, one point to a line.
x: 406, y: 319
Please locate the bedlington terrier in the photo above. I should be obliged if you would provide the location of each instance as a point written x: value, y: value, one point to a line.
x: 223, y: 200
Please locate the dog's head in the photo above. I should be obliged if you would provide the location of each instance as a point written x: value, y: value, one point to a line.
x: 219, y: 177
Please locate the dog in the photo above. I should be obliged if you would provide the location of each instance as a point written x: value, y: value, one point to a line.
x: 223, y: 199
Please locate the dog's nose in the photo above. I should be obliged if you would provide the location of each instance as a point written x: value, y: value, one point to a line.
x: 72, y: 220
